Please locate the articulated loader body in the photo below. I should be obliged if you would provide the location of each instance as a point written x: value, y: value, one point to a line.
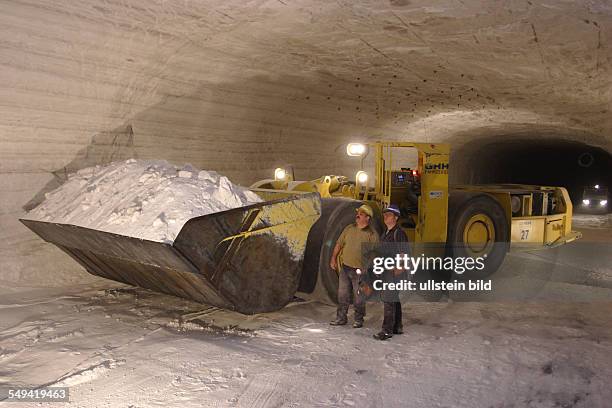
x: 254, y: 259
x: 440, y: 220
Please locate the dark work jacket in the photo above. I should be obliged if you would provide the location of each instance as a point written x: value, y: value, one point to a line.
x: 393, y: 242
x: 396, y: 234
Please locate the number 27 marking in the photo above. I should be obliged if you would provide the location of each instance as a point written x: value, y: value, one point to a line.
x: 524, y: 234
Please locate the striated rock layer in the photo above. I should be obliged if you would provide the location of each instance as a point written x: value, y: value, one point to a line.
x: 243, y: 87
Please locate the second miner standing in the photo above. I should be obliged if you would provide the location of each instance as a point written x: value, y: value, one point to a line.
x: 394, y: 241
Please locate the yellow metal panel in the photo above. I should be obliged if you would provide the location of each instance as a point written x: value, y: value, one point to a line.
x: 555, y: 229
x: 433, y: 202
x: 528, y: 230
x: 569, y: 209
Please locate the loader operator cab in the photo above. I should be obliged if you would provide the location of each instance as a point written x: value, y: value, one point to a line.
x: 405, y: 192
x: 413, y: 176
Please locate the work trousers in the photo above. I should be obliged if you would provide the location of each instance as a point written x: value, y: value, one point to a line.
x: 392, y: 320
x: 348, y: 285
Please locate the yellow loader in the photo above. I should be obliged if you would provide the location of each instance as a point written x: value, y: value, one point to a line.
x: 460, y: 221
x: 254, y: 259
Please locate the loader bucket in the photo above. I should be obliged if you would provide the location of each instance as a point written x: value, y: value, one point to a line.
x: 247, y: 259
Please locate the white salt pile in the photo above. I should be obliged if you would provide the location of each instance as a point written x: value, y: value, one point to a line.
x: 146, y: 199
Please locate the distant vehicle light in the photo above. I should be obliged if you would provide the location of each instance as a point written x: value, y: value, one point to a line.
x: 586, y: 202
x: 362, y: 177
x: 415, y: 173
x: 596, y: 186
x: 603, y: 202
x: 356, y: 149
x: 280, y: 174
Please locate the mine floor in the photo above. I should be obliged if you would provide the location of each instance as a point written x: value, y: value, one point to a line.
x: 547, y: 342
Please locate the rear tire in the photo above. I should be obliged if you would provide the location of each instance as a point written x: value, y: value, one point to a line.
x: 477, y: 227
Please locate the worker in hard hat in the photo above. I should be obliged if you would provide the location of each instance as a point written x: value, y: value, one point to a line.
x: 393, y: 241
x: 349, y: 248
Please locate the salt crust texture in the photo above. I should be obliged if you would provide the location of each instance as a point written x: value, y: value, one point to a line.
x: 148, y: 199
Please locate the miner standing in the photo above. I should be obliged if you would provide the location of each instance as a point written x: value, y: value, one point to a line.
x: 393, y: 241
x: 350, y: 248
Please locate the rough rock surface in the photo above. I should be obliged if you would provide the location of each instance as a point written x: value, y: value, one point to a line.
x: 243, y: 87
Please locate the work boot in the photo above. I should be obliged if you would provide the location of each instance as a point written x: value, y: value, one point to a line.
x: 338, y: 322
x: 357, y: 325
x: 383, y: 335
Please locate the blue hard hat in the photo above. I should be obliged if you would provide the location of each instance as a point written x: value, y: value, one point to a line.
x: 392, y: 208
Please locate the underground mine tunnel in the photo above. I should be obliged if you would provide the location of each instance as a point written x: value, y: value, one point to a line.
x: 146, y: 271
x: 537, y: 160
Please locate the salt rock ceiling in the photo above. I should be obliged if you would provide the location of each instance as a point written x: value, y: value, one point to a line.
x: 244, y: 86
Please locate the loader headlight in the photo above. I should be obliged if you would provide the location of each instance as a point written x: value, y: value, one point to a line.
x: 361, y: 177
x: 586, y: 202
x: 280, y: 174
x: 356, y: 149
x: 603, y: 202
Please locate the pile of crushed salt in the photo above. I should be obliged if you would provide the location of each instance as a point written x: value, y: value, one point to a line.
x: 146, y: 199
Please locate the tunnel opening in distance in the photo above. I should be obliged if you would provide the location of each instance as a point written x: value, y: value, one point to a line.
x: 548, y: 162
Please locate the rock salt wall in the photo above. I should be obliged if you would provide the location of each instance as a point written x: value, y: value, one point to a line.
x: 243, y: 87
